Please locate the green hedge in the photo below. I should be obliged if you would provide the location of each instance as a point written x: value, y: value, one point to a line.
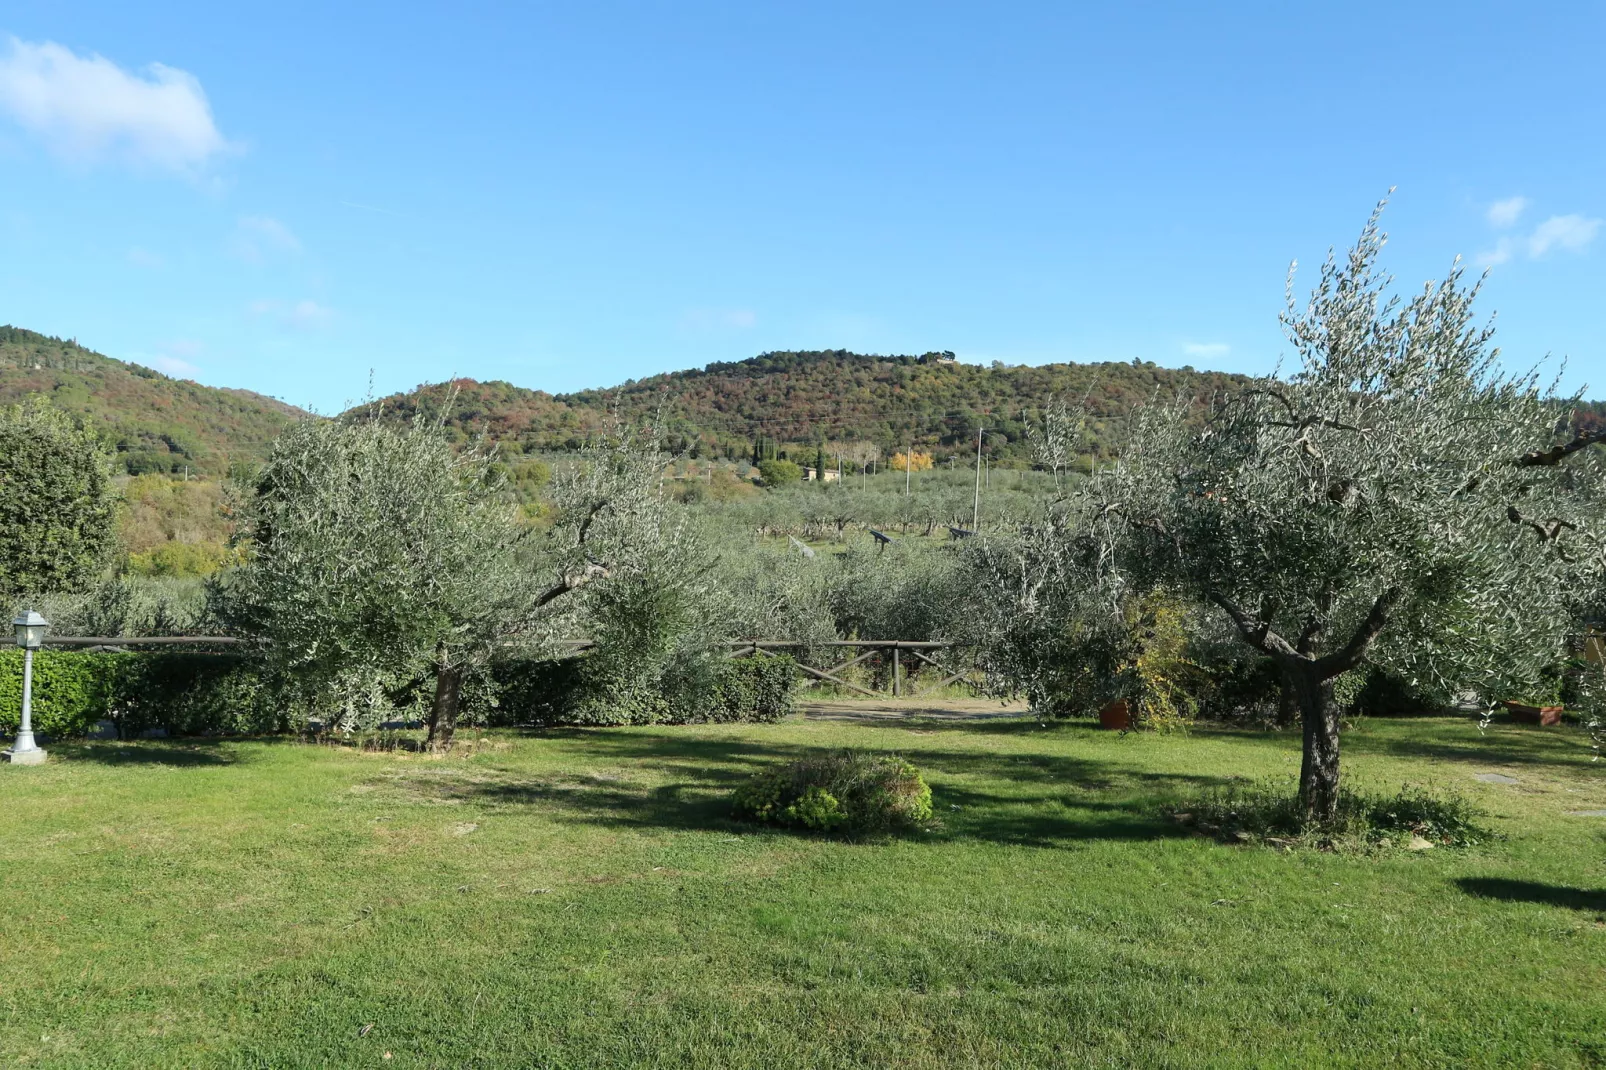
x: 71, y: 691
x: 196, y: 694
x: 184, y: 692
x: 563, y: 692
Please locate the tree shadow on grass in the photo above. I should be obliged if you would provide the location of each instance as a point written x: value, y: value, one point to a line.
x: 1462, y: 742
x: 1515, y: 891
x: 184, y: 753
x: 1031, y: 799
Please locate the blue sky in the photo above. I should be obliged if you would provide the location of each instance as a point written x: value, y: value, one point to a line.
x: 291, y: 197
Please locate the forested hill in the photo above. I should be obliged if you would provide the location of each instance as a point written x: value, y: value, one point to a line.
x: 156, y: 423
x: 800, y: 398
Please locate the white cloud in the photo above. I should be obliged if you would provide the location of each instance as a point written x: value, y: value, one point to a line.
x: 87, y: 109
x: 1498, y: 255
x: 144, y: 258
x: 305, y: 314
x: 308, y: 314
x: 173, y: 366
x: 257, y: 236
x: 1570, y: 232
x: 1207, y: 349
x: 184, y: 347
x: 1504, y: 213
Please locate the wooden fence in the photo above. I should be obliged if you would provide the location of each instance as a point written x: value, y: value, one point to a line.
x: 893, y: 650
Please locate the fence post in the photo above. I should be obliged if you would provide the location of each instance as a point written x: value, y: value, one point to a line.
x: 897, y: 683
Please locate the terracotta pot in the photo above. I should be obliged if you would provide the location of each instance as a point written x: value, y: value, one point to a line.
x: 1117, y: 716
x: 1541, y: 715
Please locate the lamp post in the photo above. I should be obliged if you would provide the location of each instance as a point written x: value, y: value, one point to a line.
x: 31, y: 629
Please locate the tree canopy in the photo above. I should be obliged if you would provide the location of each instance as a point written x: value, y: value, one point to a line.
x: 57, y: 516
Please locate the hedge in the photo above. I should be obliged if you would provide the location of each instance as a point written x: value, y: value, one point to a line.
x: 196, y: 694
x: 185, y: 692
x: 562, y: 692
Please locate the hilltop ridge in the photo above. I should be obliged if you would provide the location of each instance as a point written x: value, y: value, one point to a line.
x: 799, y: 398
x: 154, y: 422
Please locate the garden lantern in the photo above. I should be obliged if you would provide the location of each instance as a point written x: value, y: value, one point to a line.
x: 31, y: 628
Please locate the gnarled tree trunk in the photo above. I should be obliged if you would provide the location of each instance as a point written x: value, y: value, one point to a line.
x: 1308, y: 681
x: 1318, y: 770
x: 448, y: 692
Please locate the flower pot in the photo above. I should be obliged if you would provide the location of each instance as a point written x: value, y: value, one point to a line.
x: 1541, y: 715
x: 1116, y: 716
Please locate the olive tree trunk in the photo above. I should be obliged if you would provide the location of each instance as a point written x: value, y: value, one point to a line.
x: 443, y: 712
x: 1308, y: 684
x: 1305, y: 688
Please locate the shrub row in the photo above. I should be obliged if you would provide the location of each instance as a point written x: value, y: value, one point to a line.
x: 564, y: 692
x: 190, y: 693
x: 185, y: 692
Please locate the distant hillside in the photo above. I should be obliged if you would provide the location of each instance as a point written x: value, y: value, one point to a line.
x: 156, y: 423
x: 795, y: 399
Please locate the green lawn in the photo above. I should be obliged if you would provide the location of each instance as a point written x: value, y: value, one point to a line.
x: 580, y: 898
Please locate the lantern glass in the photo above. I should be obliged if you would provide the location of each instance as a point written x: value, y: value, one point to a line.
x: 31, y: 628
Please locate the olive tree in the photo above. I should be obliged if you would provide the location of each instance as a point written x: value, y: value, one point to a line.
x: 57, y: 514
x: 1397, y: 500
x: 379, y: 557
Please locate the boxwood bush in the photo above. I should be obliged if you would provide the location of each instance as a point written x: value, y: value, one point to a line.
x: 844, y: 792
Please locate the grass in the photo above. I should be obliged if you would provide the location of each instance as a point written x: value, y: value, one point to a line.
x: 582, y: 898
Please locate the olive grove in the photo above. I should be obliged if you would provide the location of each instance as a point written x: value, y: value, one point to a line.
x: 379, y: 560
x: 1398, y: 500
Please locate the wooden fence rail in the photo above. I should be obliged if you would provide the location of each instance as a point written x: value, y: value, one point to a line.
x: 921, y: 650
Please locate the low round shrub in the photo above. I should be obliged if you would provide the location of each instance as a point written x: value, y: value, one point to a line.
x: 844, y: 792
x: 1270, y: 811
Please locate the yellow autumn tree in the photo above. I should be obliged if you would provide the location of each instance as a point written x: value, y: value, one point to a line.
x: 913, y: 461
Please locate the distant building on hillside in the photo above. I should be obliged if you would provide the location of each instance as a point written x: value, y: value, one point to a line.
x: 945, y: 357
x: 811, y: 474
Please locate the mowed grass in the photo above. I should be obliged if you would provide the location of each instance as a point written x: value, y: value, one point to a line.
x: 581, y: 899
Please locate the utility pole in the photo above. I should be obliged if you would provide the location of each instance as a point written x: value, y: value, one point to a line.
x: 908, y: 465
x: 975, y: 511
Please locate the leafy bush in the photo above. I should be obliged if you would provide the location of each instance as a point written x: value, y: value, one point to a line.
x: 1377, y: 691
x: 187, y: 693
x: 180, y: 559
x: 1244, y: 686
x: 779, y: 473
x: 1271, y: 811
x: 562, y: 691
x: 844, y: 792
x: 1159, y: 672
x: 195, y: 694
x: 756, y: 688
x: 70, y: 691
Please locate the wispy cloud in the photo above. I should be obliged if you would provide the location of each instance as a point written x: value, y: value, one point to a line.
x: 256, y: 237
x: 304, y: 315
x: 1571, y: 232
x: 1498, y: 255
x: 308, y: 314
x: 144, y: 258
x: 1505, y: 213
x: 1207, y: 349
x: 182, y: 369
x: 184, y: 347
x: 86, y: 109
